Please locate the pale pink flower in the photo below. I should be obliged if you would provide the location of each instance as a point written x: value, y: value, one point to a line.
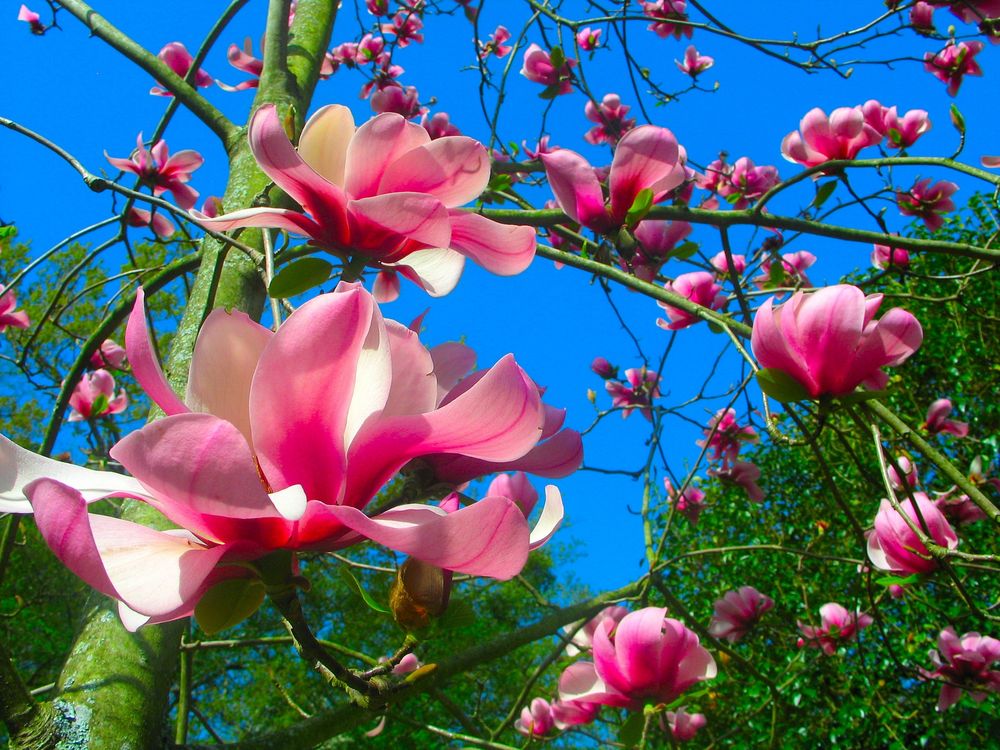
x: 666, y: 15
x: 179, y: 60
x: 725, y: 436
x: 8, y: 315
x: 910, y: 478
x: 110, y: 356
x: 610, y: 118
x: 345, y: 54
x: 157, y: 169
x: 840, y: 136
x: 837, y: 626
x: 830, y: 342
x: 744, y: 475
x: 894, y: 546
x: 937, y: 420
x: 638, y: 393
x: 689, y: 503
x: 33, y: 20
x: 645, y: 657
x: 409, y: 663
x: 646, y: 158
x: 384, y: 192
x: 439, y: 126
x: 884, y: 257
x: 397, y: 100
x: 694, y: 63
x: 496, y: 46
x: 589, y: 39
x: 539, y: 68
x: 244, y: 60
x: 684, y: 726
x: 162, y: 226
x: 927, y: 202
x: 567, y: 714
x: 657, y: 240
x: 697, y: 286
x: 583, y: 633
x: 94, y: 396
x: 792, y: 271
x: 720, y: 263
x: 965, y: 665
x: 953, y: 63
x: 737, y: 612
x: 536, y: 720
x: 406, y: 26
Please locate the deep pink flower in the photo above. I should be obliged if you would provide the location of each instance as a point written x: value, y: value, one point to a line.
x: 910, y: 477
x: 589, y: 39
x: 8, y: 315
x: 684, y: 726
x: 244, y: 60
x: 829, y: 341
x: 840, y: 136
x: 377, y: 7
x: 179, y: 60
x: 642, y: 387
x: 536, y: 720
x: 385, y: 192
x: 666, y: 14
x: 345, y: 54
x: 720, y: 263
x: 610, y: 118
x: 281, y: 442
x: 738, y: 183
x: 94, y: 396
x: 927, y: 202
x: 657, y: 240
x: 157, y: 169
x: 792, y: 271
x: 583, y: 633
x: 538, y: 67
x: 496, y: 46
x: 406, y: 26
x: 110, y: 356
x: 937, y: 420
x: 900, y: 132
x: 162, y: 226
x: 694, y: 63
x: 953, y: 63
x: 212, y: 206
x: 439, y: 126
x: 959, y: 509
x: 689, y: 503
x: 542, y: 147
x: 744, y: 475
x: 837, y: 626
x: 567, y: 714
x: 884, y: 257
x: 647, y: 158
x: 895, y: 547
x: 647, y: 656
x: 602, y: 367
x: 964, y: 663
x: 922, y: 17
x: 33, y: 20
x: 697, y: 286
x: 369, y: 49
x: 725, y: 436
x: 737, y: 612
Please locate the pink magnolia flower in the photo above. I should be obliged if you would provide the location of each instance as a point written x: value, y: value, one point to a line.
x: 645, y: 657
x: 927, y: 202
x: 162, y: 226
x: 110, y: 356
x: 974, y: 11
x: 697, y: 286
x: 689, y: 503
x: 516, y: 487
x: 377, y: 7
x: 603, y: 368
x: 638, y: 393
x: 212, y: 206
x: 666, y: 15
x: 539, y: 68
x: 496, y: 46
x: 837, y: 626
x: 910, y: 477
x: 922, y: 17
x: 737, y: 612
x: 8, y: 315
x: 384, y: 192
x: 744, y: 475
x: 830, y: 342
x: 720, y: 263
x: 406, y: 26
x: 657, y: 240
x: 344, y: 54
x: 884, y: 257
x: 937, y: 420
x: 965, y: 665
x: 959, y: 509
x: 792, y: 271
x: 694, y: 63
x: 157, y: 169
x: 33, y: 20
x: 610, y: 118
x: 439, y: 126
x: 244, y: 60
x: 583, y: 633
x: 369, y: 49
x: 647, y: 158
x: 895, y: 547
x: 179, y: 60
x: 725, y: 436
x: 953, y: 63
x: 542, y: 147
x: 566, y: 714
x: 281, y: 441
x: 902, y: 132
x: 536, y: 720
x: 684, y: 726
x: 589, y: 39
x: 94, y: 396
x: 397, y: 100
x: 840, y: 136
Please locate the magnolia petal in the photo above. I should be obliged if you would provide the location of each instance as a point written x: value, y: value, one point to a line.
x: 454, y: 169
x: 324, y: 140
x: 414, y: 388
x: 385, y: 288
x: 145, y: 364
x: 550, y: 519
x: 452, y: 362
x: 290, y: 502
x: 277, y: 218
x: 375, y: 146
x: 414, y: 216
x: 499, y: 248
x: 437, y: 270
x: 557, y: 457
x: 643, y: 158
x: 580, y: 682
x: 576, y: 188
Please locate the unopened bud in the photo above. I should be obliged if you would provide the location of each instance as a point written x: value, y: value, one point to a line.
x: 419, y: 593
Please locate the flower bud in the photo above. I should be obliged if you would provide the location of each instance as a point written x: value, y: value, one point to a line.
x: 420, y: 593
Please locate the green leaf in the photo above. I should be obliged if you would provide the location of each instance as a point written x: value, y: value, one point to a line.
x: 228, y: 603
x: 557, y: 57
x: 823, y: 193
x: 459, y: 614
x: 630, y: 733
x: 780, y: 385
x: 685, y: 251
x: 99, y: 406
x: 299, y: 276
x: 897, y: 580
x: 360, y: 591
x: 8, y: 231
x: 639, y: 208
x: 957, y: 119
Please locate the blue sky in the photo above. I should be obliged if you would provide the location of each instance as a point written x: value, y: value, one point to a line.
x: 78, y: 92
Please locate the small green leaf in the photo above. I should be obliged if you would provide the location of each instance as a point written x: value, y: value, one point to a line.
x: 299, y: 276
x: 685, y: 251
x: 8, y: 231
x: 823, y: 193
x: 228, y: 603
x: 353, y: 583
x: 957, y: 119
x: 639, y: 208
x: 897, y: 580
x: 557, y: 57
x: 780, y: 385
x: 99, y: 406
x: 630, y: 733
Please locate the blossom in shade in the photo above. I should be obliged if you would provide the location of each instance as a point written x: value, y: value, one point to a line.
x: 837, y: 626
x: 960, y: 510
x: 953, y: 63
x: 689, y: 503
x: 536, y: 720
x: 884, y: 256
x: 645, y: 657
x: 384, y: 192
x: 895, y: 546
x: 790, y: 272
x: 937, y: 420
x: 725, y: 436
x: 927, y: 201
x: 94, y: 396
x: 439, y: 125
x: 611, y: 121
x: 821, y: 138
x: 638, y: 392
x: 646, y: 158
x: 694, y: 63
x: 666, y: 14
x: 9, y: 317
x: 110, y: 356
x: 31, y: 18
x: 830, y: 342
x: 682, y: 725
x: 244, y: 60
x: 409, y: 663
x: 737, y: 612
x: 179, y: 60
x: 657, y: 239
x: 539, y: 68
x: 720, y: 263
x: 157, y: 169
x: 744, y: 475
x: 698, y: 287
x: 495, y: 46
x: 567, y: 714
x: 162, y: 226
x: 281, y: 441
x: 964, y: 664
x: 910, y: 478
x: 583, y: 632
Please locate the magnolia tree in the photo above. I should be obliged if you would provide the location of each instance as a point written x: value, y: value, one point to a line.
x: 302, y: 544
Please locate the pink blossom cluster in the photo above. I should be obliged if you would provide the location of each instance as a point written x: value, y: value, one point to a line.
x: 10, y: 317
x: 964, y: 664
x: 641, y: 386
x: 550, y: 69
x: 739, y: 183
x: 737, y: 612
x: 724, y: 437
x: 791, y: 271
x: 669, y: 18
x: 699, y: 287
x: 837, y: 627
x: 689, y: 503
x: 928, y: 202
x: 611, y: 121
x: 656, y: 241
